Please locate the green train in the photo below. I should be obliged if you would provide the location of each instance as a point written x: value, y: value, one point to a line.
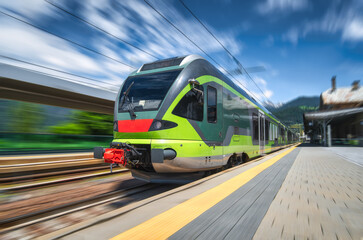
x: 182, y: 115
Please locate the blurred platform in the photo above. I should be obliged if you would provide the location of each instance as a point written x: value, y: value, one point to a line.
x: 306, y: 192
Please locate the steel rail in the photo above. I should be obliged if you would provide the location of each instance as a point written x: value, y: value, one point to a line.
x: 53, y: 155
x: 60, y: 172
x: 21, y: 221
x: 61, y: 180
x: 46, y: 163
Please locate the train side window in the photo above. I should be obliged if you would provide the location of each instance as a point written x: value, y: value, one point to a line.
x: 255, y: 126
x: 261, y: 129
x: 272, y: 132
x: 283, y: 133
x: 267, y: 130
x: 191, y: 105
x: 212, y: 104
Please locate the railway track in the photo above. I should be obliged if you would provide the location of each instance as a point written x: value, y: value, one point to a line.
x: 34, y: 181
x: 26, y: 172
x: 21, y: 175
x: 11, y: 166
x: 25, y: 220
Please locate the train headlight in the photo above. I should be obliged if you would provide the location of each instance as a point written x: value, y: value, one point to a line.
x: 161, y: 125
x: 157, y: 125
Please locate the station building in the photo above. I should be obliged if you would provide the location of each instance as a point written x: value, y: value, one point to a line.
x: 339, y: 120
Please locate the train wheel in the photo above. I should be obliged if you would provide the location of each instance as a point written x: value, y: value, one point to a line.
x: 231, y: 162
x: 245, y: 157
x: 239, y: 160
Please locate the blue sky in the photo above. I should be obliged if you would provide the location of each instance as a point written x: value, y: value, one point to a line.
x: 300, y: 43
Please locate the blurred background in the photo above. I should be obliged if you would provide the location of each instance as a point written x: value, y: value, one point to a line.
x: 31, y: 127
x: 282, y: 52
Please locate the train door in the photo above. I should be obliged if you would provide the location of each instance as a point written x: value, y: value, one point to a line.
x: 261, y: 130
x: 212, y: 125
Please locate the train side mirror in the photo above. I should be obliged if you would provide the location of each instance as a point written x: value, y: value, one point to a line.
x: 199, y: 93
x: 193, y: 82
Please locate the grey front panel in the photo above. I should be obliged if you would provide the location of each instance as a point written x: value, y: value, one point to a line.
x: 157, y: 155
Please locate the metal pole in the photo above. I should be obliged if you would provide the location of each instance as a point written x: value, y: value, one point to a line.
x: 324, y: 133
x: 329, y: 135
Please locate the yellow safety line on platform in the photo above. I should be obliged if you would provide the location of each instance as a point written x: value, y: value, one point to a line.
x: 169, y: 222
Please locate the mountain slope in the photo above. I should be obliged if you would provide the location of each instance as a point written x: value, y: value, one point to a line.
x: 292, y: 112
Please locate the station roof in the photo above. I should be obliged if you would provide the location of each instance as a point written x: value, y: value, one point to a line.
x: 22, y: 84
x: 342, y: 95
x: 324, y: 115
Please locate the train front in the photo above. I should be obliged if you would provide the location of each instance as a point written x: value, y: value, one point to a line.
x: 147, y: 133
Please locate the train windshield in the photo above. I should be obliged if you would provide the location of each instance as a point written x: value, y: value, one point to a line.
x: 146, y: 92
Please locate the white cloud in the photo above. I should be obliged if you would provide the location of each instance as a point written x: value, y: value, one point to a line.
x: 269, y: 70
x: 346, y: 20
x: 260, y: 81
x: 132, y: 21
x: 292, y: 36
x: 261, y: 93
x: 353, y: 30
x: 263, y: 86
x: 268, y: 93
x: 31, y: 44
x: 37, y: 8
x: 281, y: 5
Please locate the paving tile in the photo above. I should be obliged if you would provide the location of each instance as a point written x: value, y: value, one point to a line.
x: 321, y: 198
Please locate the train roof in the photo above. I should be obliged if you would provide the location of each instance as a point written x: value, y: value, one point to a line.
x: 169, y: 62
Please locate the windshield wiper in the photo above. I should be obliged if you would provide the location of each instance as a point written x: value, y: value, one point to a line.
x: 131, y: 106
x: 126, y: 93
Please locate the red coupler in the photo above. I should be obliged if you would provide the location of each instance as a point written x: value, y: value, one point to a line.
x: 114, y: 155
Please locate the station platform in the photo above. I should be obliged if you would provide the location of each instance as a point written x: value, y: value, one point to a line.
x: 303, y: 192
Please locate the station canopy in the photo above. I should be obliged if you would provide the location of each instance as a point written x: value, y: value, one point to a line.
x: 324, y: 115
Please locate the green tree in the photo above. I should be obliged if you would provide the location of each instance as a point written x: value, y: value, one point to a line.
x: 26, y: 117
x: 86, y: 123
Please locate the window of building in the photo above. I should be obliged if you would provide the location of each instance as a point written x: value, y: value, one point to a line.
x: 212, y: 104
x: 191, y: 105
